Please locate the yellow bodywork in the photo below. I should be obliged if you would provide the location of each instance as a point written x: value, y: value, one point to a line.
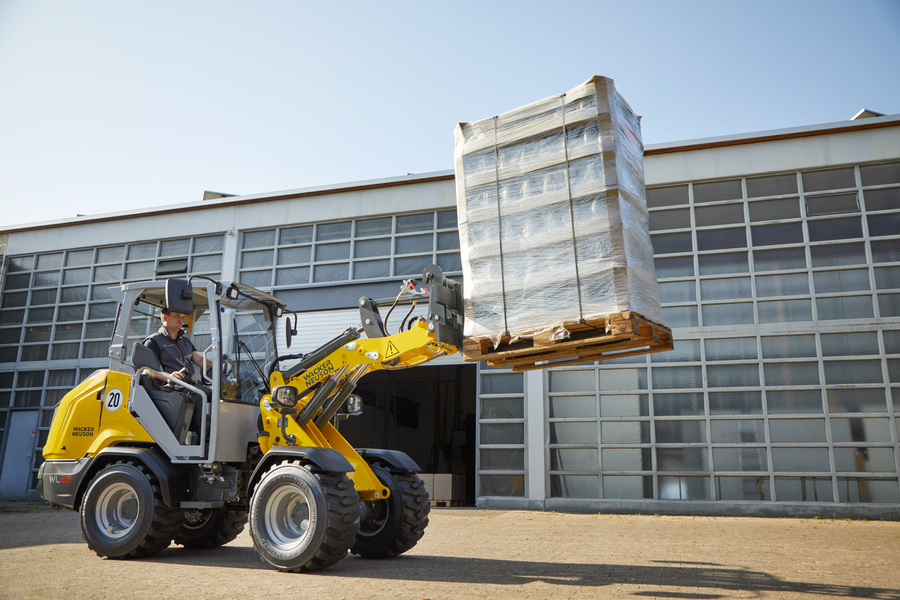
x: 404, y: 349
x: 92, y: 417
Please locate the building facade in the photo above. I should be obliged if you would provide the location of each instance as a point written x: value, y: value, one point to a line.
x: 778, y: 259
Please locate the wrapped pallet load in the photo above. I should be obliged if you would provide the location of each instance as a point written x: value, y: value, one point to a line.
x: 554, y: 233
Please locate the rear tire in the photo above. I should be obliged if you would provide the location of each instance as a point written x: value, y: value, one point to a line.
x: 210, y: 528
x: 122, y: 513
x: 301, y: 520
x: 393, y: 525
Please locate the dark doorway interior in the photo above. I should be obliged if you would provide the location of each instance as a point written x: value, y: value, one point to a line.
x: 427, y: 412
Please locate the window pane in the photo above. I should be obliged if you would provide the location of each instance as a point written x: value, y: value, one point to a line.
x: 789, y: 346
x: 677, y: 266
x: 717, y: 190
x: 785, y: 311
x: 832, y: 205
x: 853, y: 371
x: 725, y: 289
x: 856, y: 400
x: 742, y: 488
x: 625, y: 432
x: 290, y: 256
x: 850, y: 280
x: 838, y: 255
x: 504, y: 408
x: 885, y: 251
x: 623, y: 379
x: 410, y: 223
x: 333, y: 231
x: 627, y: 459
x: 70, y: 313
x: 786, y: 402
x: 292, y: 276
x: 722, y: 263
x: 727, y: 314
x: 681, y: 459
x: 299, y: 235
x: 677, y: 377
x: 771, y: 185
x: 684, y: 351
x: 738, y: 431
x: 502, y: 433
x: 868, y: 490
x: 667, y: 196
x: 776, y: 235
x: 880, y: 174
x: 257, y: 279
x: 175, y: 247
x: 572, y: 381
x: 573, y: 433
x: 779, y: 259
x: 670, y: 219
x: 574, y: 486
x: 213, y: 243
x: 684, y: 488
x: 79, y: 258
x: 834, y: 229
x: 502, y: 485
x: 680, y: 316
x: 732, y: 375
x: 502, y: 459
x: 806, y: 373
x: 733, y: 403
x: 625, y: 405
x: 770, y: 210
x: 884, y: 224
x: 414, y: 244
x: 832, y: 179
x: 671, y: 243
x: 259, y: 239
x: 141, y: 270
x: 372, y: 268
x: 671, y: 405
x: 849, y: 344
x: 680, y: 432
x: 803, y: 489
x: 64, y: 351
x: 797, y: 430
x: 502, y: 383
x: 411, y: 266
x: 731, y: 349
x: 325, y: 252
x: 886, y: 199
x: 449, y: 262
x: 885, y: 278
x: 889, y: 305
x: 45, y: 279
x: 782, y: 285
x: 201, y: 264
x: 338, y: 272
x: 861, y: 430
x: 448, y: 241
x: 571, y: 406
x: 853, y: 307
x: 722, y: 214
x: 685, y: 291
x: 447, y: 219
x: 721, y: 239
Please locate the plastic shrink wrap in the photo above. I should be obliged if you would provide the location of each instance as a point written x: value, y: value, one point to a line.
x: 553, y: 219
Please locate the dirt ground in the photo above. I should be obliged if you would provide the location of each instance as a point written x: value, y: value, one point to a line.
x: 471, y: 553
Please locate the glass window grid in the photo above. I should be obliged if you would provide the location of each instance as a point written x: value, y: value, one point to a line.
x: 872, y: 294
x: 484, y: 372
x: 74, y: 334
x: 259, y: 275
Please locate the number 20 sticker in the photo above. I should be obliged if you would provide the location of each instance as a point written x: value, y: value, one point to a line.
x: 113, y: 400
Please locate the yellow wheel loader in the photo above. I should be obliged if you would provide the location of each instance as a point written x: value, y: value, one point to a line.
x: 148, y: 459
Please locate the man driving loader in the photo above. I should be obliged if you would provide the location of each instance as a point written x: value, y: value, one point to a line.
x: 177, y: 354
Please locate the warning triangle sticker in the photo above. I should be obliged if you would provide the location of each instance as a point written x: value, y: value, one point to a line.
x: 391, y: 350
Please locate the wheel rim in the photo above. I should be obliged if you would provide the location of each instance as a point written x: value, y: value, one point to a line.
x: 196, y: 519
x: 117, y: 510
x: 287, y: 517
x: 375, y: 519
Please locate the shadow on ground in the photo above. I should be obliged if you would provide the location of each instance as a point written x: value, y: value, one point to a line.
x: 443, y: 569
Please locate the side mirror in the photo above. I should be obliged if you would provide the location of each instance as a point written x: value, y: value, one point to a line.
x: 290, y: 331
x: 179, y: 296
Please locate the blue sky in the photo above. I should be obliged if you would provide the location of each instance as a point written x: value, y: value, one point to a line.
x: 109, y: 105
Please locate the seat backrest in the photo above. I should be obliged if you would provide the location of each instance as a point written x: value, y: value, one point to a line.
x: 142, y: 356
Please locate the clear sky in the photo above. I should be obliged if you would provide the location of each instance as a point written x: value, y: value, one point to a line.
x: 109, y: 105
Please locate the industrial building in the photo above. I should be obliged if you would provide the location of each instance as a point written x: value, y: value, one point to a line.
x: 778, y: 260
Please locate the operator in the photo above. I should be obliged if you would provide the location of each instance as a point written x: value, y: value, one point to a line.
x: 177, y: 354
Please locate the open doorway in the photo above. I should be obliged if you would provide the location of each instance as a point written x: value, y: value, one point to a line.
x: 428, y: 412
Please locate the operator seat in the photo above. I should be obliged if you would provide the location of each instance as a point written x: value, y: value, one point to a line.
x: 175, y: 406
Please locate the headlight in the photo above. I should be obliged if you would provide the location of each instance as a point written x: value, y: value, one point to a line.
x: 353, y: 405
x: 286, y: 396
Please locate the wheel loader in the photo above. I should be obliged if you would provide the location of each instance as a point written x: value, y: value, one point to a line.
x: 148, y: 459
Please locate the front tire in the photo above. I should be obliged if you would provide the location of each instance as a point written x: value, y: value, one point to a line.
x: 210, y: 528
x: 123, y: 516
x: 301, y: 520
x: 393, y: 525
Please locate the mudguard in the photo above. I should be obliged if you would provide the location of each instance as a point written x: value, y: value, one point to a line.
x: 326, y: 459
x: 395, y: 458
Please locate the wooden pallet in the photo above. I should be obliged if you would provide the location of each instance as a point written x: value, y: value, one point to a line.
x: 616, y: 336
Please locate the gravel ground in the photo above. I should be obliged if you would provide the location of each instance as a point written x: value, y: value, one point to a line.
x: 471, y: 553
